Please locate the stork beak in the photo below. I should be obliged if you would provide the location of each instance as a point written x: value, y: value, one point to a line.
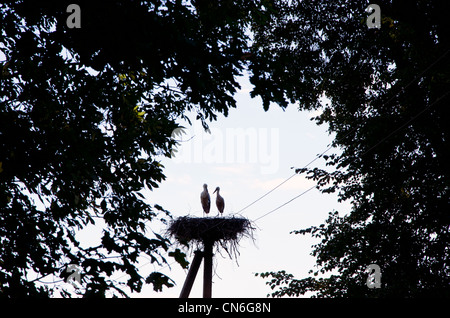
x: 214, y: 191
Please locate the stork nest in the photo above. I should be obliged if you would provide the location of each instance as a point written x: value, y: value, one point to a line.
x: 225, y: 232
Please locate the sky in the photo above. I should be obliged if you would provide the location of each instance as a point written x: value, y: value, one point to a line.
x: 247, y: 154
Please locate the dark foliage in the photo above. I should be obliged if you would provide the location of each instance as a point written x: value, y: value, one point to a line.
x: 389, y: 97
x: 84, y: 116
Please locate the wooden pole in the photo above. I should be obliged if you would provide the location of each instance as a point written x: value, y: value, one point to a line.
x: 193, y: 269
x: 207, y: 274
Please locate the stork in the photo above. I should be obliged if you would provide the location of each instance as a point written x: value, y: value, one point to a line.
x: 220, y: 202
x: 205, y: 199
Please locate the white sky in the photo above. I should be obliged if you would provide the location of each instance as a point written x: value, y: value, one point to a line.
x: 283, y: 139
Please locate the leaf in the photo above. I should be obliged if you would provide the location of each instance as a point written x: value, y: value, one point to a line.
x: 103, y: 205
x: 73, y: 124
x: 159, y: 280
x: 180, y: 257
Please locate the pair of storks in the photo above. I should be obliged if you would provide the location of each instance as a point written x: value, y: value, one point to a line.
x: 206, y: 200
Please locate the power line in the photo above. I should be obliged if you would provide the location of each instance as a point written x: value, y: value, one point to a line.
x: 289, y: 178
x: 286, y: 180
x: 353, y: 129
x: 279, y: 207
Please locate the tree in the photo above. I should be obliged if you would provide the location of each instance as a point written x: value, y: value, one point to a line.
x: 389, y: 91
x: 85, y: 114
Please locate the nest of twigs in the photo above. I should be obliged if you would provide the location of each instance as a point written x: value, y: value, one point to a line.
x: 225, y: 232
